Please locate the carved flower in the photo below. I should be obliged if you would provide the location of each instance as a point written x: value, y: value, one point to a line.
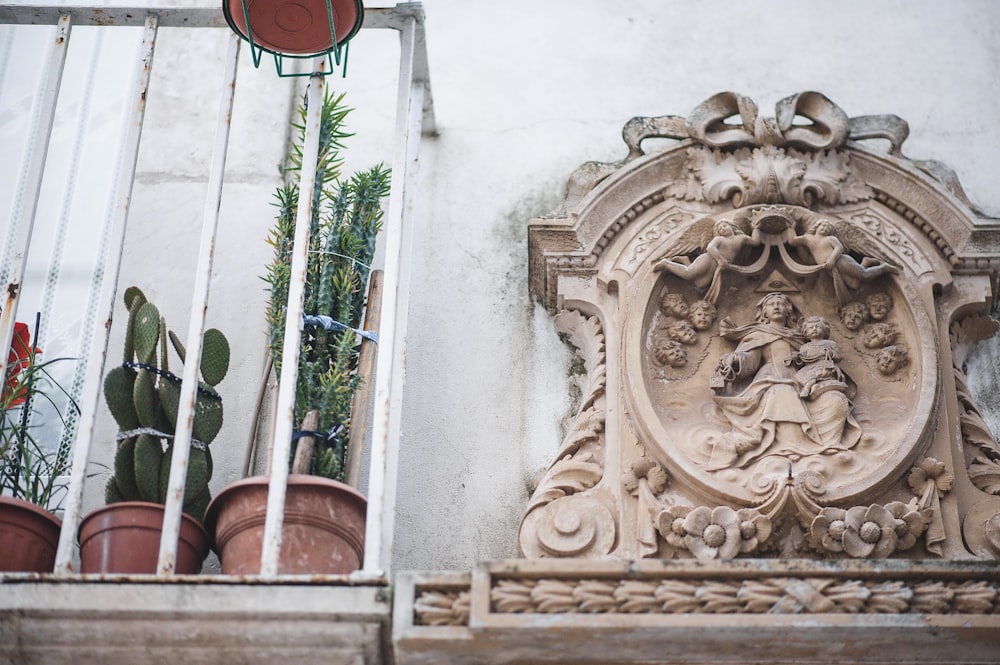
x: 755, y: 529
x: 909, y: 524
x: 670, y: 524
x: 828, y: 529
x: 713, y: 533
x: 870, y: 532
x: 930, y: 470
x: 654, y: 474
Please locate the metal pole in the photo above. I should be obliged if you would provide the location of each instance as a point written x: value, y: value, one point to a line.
x: 285, y: 410
x: 199, y: 306
x: 99, y: 346
x: 26, y: 204
x: 390, y: 367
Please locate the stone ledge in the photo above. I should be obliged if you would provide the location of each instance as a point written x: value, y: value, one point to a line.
x: 749, y: 611
x: 191, y: 620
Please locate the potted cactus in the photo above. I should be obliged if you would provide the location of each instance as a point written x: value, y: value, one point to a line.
x: 323, y: 528
x: 143, y: 397
x: 31, y: 476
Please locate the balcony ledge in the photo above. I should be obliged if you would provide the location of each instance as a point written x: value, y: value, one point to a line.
x: 192, y: 620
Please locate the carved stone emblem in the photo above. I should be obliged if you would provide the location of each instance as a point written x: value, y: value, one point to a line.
x: 764, y: 312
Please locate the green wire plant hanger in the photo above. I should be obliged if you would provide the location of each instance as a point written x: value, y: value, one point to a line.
x: 297, y: 29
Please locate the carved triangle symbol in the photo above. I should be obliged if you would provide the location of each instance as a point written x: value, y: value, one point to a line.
x: 776, y: 282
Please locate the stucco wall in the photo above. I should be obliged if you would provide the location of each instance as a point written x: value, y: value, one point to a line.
x: 524, y: 92
x: 527, y: 91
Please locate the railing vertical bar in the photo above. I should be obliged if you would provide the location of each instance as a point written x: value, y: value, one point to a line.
x: 99, y: 344
x: 54, y: 269
x: 285, y: 409
x: 26, y: 204
x: 390, y: 365
x: 199, y: 307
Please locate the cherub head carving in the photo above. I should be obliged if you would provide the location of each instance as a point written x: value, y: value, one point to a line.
x: 879, y: 335
x: 673, y: 304
x: 891, y: 358
x: 683, y: 332
x: 879, y: 306
x: 853, y: 315
x: 669, y: 353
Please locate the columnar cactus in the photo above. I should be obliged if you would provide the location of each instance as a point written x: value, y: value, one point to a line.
x: 143, y: 396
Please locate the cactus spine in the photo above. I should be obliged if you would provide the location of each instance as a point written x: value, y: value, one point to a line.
x: 143, y: 397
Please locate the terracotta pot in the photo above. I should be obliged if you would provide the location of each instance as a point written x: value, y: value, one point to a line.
x: 29, y: 536
x: 323, y: 530
x: 125, y: 538
x: 295, y: 27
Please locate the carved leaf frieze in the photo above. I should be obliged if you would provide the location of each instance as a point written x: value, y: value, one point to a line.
x: 778, y: 595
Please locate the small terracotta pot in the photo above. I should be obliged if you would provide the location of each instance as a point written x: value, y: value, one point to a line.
x: 29, y: 536
x: 323, y: 531
x: 295, y: 27
x: 125, y: 538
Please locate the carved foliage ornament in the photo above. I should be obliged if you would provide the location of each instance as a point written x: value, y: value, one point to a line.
x: 778, y: 354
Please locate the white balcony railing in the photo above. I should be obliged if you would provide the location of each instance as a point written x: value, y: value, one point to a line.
x: 414, y: 117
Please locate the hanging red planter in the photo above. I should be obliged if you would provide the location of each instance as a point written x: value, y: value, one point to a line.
x: 295, y: 28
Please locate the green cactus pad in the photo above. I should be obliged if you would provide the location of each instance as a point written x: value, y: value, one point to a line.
x: 198, y: 475
x: 144, y: 399
x: 133, y: 293
x: 148, y: 458
x: 146, y: 332
x: 118, y: 387
x: 125, y: 470
x: 214, y: 357
x: 178, y: 346
x: 111, y: 492
x: 170, y: 398
x: 197, y: 507
x: 207, y: 417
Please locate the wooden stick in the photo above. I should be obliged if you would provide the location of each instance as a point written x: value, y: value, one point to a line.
x: 305, y: 447
x: 361, y: 406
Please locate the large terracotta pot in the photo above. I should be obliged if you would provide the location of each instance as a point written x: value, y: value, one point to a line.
x: 29, y: 536
x: 323, y: 531
x: 125, y: 538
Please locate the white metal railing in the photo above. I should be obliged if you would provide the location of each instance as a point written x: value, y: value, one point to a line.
x: 414, y: 117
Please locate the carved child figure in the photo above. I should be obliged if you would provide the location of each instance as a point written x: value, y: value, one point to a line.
x: 827, y: 250
x: 720, y: 252
x: 818, y: 357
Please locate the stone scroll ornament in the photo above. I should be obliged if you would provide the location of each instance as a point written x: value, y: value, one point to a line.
x: 562, y: 519
x: 773, y: 293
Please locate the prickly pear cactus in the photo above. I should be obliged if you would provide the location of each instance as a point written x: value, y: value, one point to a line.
x: 143, y: 397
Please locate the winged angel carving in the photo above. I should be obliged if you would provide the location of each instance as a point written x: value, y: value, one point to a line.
x: 824, y: 243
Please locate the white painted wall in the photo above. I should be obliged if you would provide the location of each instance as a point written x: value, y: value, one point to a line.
x: 524, y: 91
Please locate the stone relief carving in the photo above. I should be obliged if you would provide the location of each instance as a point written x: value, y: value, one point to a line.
x: 777, y: 313
x: 561, y: 519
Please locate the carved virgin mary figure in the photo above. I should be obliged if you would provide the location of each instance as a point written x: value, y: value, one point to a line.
x: 774, y: 407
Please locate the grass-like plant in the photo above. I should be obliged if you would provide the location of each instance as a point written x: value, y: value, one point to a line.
x: 28, y: 469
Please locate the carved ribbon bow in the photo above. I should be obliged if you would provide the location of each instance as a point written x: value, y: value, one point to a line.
x: 828, y: 126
